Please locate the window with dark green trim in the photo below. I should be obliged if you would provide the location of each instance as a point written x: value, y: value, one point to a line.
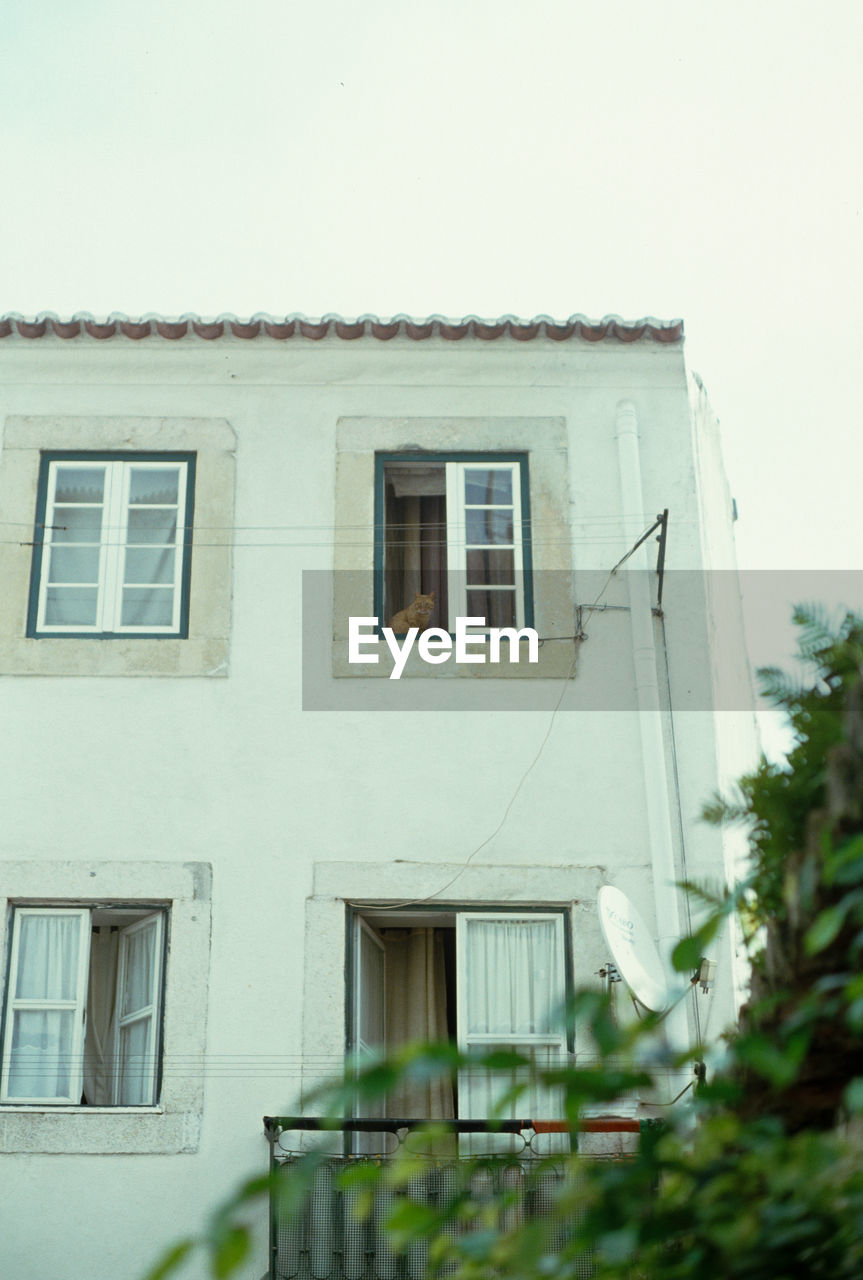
x: 455, y: 529
x: 112, y: 545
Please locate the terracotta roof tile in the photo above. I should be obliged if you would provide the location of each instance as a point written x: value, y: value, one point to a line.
x: 172, y: 328
x: 281, y: 328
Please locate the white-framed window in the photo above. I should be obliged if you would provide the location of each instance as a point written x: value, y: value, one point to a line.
x: 112, y: 545
x: 511, y: 995
x: 485, y: 979
x: 455, y: 527
x: 82, y: 1016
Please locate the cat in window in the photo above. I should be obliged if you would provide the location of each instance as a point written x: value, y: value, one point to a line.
x: 417, y: 614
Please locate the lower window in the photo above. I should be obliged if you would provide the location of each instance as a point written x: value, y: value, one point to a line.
x: 82, y: 1018
x: 483, y: 979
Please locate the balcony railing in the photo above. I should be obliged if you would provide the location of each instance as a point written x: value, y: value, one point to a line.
x: 326, y: 1237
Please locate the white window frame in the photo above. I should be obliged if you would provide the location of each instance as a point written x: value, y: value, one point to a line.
x: 363, y: 995
x: 148, y: 1013
x: 20, y: 1004
x: 468, y: 1039
x: 477, y: 1087
x: 154, y: 918
x: 366, y: 992
x: 113, y: 545
x: 458, y: 547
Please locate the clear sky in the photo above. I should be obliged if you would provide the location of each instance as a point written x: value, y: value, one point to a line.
x: 679, y: 158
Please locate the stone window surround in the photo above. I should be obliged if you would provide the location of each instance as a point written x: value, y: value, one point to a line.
x: 174, y: 1124
x: 482, y: 887
x: 543, y: 439
x: 205, y: 652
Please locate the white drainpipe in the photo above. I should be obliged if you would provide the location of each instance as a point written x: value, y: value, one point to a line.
x: 668, y: 918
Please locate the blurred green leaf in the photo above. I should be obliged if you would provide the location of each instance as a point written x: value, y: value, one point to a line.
x: 825, y: 928
x: 230, y: 1253
x: 170, y: 1260
x: 687, y: 954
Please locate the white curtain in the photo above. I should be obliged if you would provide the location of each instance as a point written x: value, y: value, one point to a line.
x: 512, y: 979
x: 139, y: 968
x: 416, y: 1011
x: 41, y: 1053
x: 47, y: 957
x: 101, y: 1000
x: 43, y: 1039
x: 149, y: 571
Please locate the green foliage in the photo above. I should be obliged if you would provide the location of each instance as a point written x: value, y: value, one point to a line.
x: 804, y: 897
x: 171, y: 1260
x: 768, y: 1183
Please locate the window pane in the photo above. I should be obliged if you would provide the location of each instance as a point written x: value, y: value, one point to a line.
x: 151, y: 484
x: 136, y: 1085
x: 41, y: 1062
x: 488, y: 526
x: 156, y: 525
x: 80, y: 484
x: 71, y: 606
x: 47, y: 957
x: 76, y: 524
x: 370, y: 1031
x: 488, y: 485
x: 495, y: 568
x: 138, y: 993
x: 74, y: 564
x: 147, y: 607
x: 514, y: 982
x: 497, y: 607
x: 145, y: 565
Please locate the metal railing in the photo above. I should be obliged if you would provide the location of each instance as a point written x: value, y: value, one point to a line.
x: 322, y: 1235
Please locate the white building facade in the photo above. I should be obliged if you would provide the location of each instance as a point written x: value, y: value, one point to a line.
x: 230, y: 851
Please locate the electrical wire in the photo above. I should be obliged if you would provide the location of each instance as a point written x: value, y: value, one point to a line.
x: 525, y: 521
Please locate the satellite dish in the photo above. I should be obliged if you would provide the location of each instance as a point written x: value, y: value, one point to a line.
x: 632, y: 948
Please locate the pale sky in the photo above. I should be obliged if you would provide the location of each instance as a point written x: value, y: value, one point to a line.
x: 676, y: 159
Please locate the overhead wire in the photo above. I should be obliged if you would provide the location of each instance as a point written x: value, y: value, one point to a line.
x: 578, y: 638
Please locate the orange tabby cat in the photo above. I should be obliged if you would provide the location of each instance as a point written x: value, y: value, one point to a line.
x: 417, y: 614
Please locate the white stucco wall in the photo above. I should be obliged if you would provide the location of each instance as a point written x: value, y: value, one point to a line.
x: 215, y: 762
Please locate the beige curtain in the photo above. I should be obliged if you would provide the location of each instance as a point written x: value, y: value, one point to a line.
x: 101, y: 1000
x: 415, y: 550
x: 416, y: 1010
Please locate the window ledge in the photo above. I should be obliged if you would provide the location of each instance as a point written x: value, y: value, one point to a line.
x: 98, y: 1131
x: 69, y: 1109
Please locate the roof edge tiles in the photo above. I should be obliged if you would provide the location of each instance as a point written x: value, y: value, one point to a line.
x: 280, y: 328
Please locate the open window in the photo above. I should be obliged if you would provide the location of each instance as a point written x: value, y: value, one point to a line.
x: 455, y: 527
x: 82, y: 1020
x: 112, y: 545
x: 483, y: 979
